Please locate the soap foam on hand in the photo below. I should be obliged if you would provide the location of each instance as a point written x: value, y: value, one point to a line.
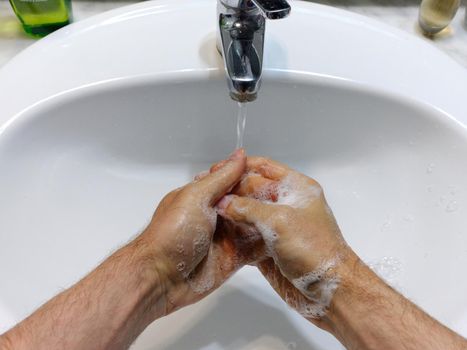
x: 204, y: 280
x: 296, y: 192
x: 190, y: 252
x: 319, y: 288
x: 309, y: 295
x: 314, y: 289
x: 293, y: 190
x: 210, y: 213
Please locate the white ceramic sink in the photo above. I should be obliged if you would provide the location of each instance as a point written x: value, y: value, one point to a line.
x: 99, y: 120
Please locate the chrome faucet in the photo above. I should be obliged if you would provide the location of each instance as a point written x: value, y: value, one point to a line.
x: 242, y: 25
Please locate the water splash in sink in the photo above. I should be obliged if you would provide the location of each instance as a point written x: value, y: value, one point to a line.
x: 241, y: 123
x: 388, y: 268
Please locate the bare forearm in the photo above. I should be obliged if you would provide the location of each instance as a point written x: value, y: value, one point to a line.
x: 366, y: 314
x: 106, y: 310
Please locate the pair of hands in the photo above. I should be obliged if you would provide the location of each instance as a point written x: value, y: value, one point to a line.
x: 244, y: 211
x: 248, y: 211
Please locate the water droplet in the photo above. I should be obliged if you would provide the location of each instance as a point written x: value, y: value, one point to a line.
x: 452, y: 206
x: 181, y: 266
x: 408, y: 218
x: 386, y: 225
x: 441, y: 200
x: 180, y: 248
x: 388, y: 268
x: 430, y: 168
x: 356, y: 195
x: 452, y: 190
x: 292, y: 345
x: 430, y: 188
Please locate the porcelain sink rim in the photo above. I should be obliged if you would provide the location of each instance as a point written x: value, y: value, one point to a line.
x: 25, y: 97
x: 180, y: 77
x: 198, y: 70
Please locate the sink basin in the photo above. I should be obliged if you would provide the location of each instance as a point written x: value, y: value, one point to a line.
x: 101, y: 119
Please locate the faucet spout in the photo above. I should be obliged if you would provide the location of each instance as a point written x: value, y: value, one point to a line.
x: 242, y: 25
x: 242, y: 46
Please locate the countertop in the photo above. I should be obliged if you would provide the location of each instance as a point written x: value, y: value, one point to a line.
x: 399, y: 13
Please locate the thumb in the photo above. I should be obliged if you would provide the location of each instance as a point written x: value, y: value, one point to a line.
x: 218, y: 183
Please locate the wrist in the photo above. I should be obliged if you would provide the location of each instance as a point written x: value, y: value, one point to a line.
x: 153, y: 283
x: 360, y: 289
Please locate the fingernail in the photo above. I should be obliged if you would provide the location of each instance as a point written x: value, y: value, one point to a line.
x: 239, y: 153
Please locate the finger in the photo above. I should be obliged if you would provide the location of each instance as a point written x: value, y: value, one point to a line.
x: 240, y: 243
x: 205, y: 278
x: 275, y: 278
x: 268, y: 168
x: 273, y: 170
x: 271, y: 272
x: 286, y: 290
x: 245, y: 210
x: 213, y: 169
x: 217, y: 184
x: 217, y: 266
x: 258, y: 187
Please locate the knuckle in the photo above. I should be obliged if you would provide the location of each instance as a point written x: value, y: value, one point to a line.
x: 258, y: 161
x: 264, y: 159
x: 170, y: 196
x: 191, y: 189
x: 283, y: 217
x: 266, y: 163
x: 315, y: 183
x: 238, y: 208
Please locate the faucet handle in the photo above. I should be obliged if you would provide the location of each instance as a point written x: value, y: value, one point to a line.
x: 273, y: 9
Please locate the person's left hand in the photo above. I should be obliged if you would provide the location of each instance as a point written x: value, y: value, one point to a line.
x: 191, y: 261
x: 302, y: 247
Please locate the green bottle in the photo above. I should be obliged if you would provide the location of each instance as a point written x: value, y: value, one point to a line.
x: 42, y: 17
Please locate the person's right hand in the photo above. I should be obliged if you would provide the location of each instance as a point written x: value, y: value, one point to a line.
x: 304, y: 246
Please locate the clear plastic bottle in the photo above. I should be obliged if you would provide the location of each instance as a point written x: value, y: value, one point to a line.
x: 41, y: 17
x: 435, y: 15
